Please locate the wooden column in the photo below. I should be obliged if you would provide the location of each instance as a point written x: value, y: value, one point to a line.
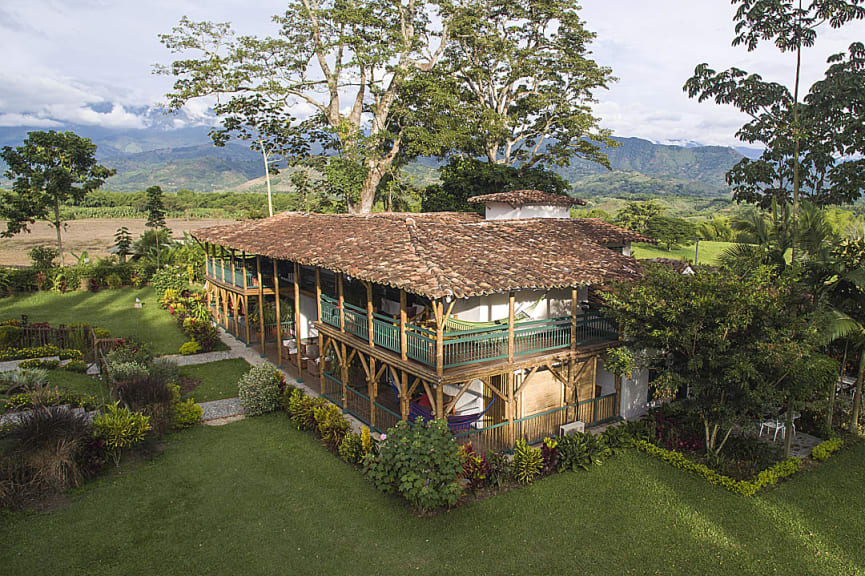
x: 222, y: 262
x: 509, y: 382
x: 510, y: 327
x: 371, y: 391
x: 297, y: 320
x: 206, y: 261
x: 438, y: 308
x: 260, y: 305
x: 618, y: 394
x: 233, y: 275
x: 278, y: 317
x: 225, y: 308
x: 403, y: 341
x: 574, y: 296
x: 321, y: 354
x: 404, y: 400
x: 369, y: 312
x: 341, y: 303
x: 344, y: 373
x: 245, y: 300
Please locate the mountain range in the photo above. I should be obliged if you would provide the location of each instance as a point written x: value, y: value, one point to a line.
x: 186, y: 158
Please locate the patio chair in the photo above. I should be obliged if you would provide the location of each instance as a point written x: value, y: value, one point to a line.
x: 773, y: 424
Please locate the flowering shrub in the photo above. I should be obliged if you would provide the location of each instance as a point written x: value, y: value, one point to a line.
x: 421, y: 463
x: 40, y: 352
x: 259, y: 389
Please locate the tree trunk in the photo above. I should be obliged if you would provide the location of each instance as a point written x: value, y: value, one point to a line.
x: 788, y: 429
x: 857, y: 397
x: 367, y: 191
x: 830, y: 413
x: 267, y: 179
x: 57, y: 224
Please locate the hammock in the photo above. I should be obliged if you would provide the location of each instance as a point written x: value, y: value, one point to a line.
x: 522, y: 314
x: 456, y: 424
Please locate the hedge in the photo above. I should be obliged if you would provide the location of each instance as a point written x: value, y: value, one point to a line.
x: 825, y: 449
x: 40, y: 352
x: 767, y: 477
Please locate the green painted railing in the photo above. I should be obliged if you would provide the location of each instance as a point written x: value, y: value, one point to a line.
x: 542, y: 335
x: 471, y: 346
x: 421, y: 345
x: 329, y: 311
x: 356, y: 321
x: 385, y: 332
x: 216, y: 268
x: 332, y: 389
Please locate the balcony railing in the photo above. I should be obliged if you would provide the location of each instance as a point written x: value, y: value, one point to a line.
x: 465, y: 347
x: 221, y: 270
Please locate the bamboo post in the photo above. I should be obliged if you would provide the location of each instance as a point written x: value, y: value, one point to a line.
x: 297, y: 322
x: 344, y: 374
x: 260, y: 306
x: 512, y: 433
x: 245, y: 300
x: 618, y: 406
x: 225, y: 308
x: 510, y: 327
x: 371, y: 391
x: 222, y: 262
x: 404, y: 401
x: 206, y: 260
x: 438, y: 307
x: 320, y: 335
x: 369, y: 312
x: 278, y: 317
x: 574, y: 296
x: 341, y: 303
x: 233, y: 275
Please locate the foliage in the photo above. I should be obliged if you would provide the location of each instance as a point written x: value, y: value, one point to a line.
x: 9, y: 336
x: 528, y: 462
x: 123, y: 243
x: 617, y: 438
x: 366, y: 442
x: 40, y: 352
x: 130, y: 351
x: 420, y: 462
x: 550, y: 453
x: 636, y: 215
x: 581, y: 451
x: 121, y: 429
x: 126, y: 371
x: 498, y: 469
x: 301, y: 408
x: 474, y: 467
x: 49, y: 168
x: 259, y: 391
x: 202, y: 332
x: 825, y: 449
x: 767, y: 477
x: 78, y: 366
x: 155, y: 208
x: 351, y: 448
x: 671, y: 231
x: 620, y: 361
x: 185, y: 413
x: 462, y: 178
x: 331, y: 424
x: 151, y: 396
x: 169, y: 277
x: 24, y: 379
x: 189, y: 348
x: 43, y: 257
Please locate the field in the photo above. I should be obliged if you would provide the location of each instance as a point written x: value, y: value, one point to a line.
x: 709, y: 251
x: 111, y: 309
x: 95, y: 236
x: 259, y: 497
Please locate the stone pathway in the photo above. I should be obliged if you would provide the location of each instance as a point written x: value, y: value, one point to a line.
x: 12, y: 365
x: 203, y: 358
x: 220, y: 409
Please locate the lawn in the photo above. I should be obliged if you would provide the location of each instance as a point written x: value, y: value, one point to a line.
x: 257, y: 497
x: 78, y: 383
x: 111, y: 309
x: 218, y: 379
x: 709, y: 251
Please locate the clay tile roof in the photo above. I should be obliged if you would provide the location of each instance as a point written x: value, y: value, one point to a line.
x: 527, y: 197
x: 609, y: 234
x: 434, y: 255
x: 679, y: 266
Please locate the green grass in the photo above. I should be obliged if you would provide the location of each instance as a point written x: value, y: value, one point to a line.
x: 218, y: 379
x: 111, y: 309
x: 709, y: 251
x: 77, y: 383
x: 257, y: 497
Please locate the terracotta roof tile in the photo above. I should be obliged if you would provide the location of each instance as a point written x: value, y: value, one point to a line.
x: 527, y: 197
x: 438, y: 254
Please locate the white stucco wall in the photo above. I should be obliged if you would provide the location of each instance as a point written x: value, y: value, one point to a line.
x: 502, y: 211
x: 471, y: 402
x: 634, y: 395
x: 606, y: 380
x: 495, y: 306
x: 308, y: 314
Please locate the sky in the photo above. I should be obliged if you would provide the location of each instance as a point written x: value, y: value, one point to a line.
x: 89, y: 62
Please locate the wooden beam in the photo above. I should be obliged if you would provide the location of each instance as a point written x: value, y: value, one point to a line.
x: 431, y: 397
x: 405, y: 399
x: 525, y: 380
x: 459, y: 395
x: 403, y: 340
x: 260, y: 305
x: 370, y: 325
x: 222, y: 262
x: 297, y: 322
x: 246, y: 313
x: 233, y: 275
x: 510, y: 327
x: 278, y: 316
x: 440, y: 400
x: 341, y: 302
x: 556, y: 373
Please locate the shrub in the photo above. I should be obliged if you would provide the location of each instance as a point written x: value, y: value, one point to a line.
x: 78, y: 366
x: 126, y: 371
x: 301, y: 408
x: 164, y: 369
x: 189, y: 348
x: 9, y: 336
x: 186, y: 414
x: 366, y: 440
x: 23, y: 380
x: 825, y: 449
x: 617, y: 438
x: 351, y: 448
x: 474, y: 467
x: 499, y: 470
x: 169, y: 277
x: 332, y: 425
x: 40, y: 352
x: 121, y: 429
x: 258, y: 390
x: 130, y: 351
x: 150, y: 396
x: 16, y: 402
x: 528, y: 462
x: 101, y: 333
x: 550, y: 454
x: 422, y: 463
x: 36, y: 363
x: 581, y: 451
x: 113, y: 281
x: 203, y: 332
x: 43, y: 257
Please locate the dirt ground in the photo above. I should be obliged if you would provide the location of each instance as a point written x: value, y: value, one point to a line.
x: 95, y: 235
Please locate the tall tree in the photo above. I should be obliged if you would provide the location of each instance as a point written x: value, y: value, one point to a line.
x: 155, y: 209
x: 525, y: 82
x: 346, y: 62
x: 671, y: 231
x: 798, y: 157
x: 48, y: 169
x: 636, y: 215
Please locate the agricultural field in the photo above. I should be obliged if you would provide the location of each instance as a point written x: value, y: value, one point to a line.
x: 95, y: 236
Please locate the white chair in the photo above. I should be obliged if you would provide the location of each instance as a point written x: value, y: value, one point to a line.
x: 773, y: 424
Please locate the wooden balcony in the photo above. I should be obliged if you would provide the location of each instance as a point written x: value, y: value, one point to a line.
x: 236, y: 274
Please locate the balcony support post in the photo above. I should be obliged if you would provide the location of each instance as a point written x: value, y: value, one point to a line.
x: 278, y: 316
x: 297, y: 320
x: 510, y: 327
x: 321, y: 354
x: 260, y: 306
x: 369, y: 312
x: 574, y: 305
x: 403, y: 342
x: 341, y: 297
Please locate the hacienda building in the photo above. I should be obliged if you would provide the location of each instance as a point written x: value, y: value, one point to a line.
x: 491, y: 322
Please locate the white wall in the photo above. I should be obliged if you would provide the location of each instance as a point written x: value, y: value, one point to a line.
x: 308, y: 314
x: 606, y: 380
x: 634, y: 395
x: 471, y: 402
x: 495, y: 306
x: 503, y: 211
